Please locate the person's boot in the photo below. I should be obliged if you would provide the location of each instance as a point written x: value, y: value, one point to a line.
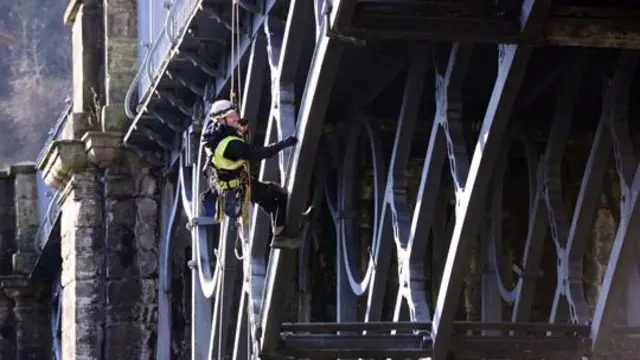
x: 281, y: 237
x: 282, y: 240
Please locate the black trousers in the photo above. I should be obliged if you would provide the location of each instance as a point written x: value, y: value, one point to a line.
x: 272, y: 198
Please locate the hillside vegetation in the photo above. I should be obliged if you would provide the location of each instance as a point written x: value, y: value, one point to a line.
x: 35, y: 74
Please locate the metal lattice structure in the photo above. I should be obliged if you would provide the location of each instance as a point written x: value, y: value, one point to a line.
x: 311, y: 52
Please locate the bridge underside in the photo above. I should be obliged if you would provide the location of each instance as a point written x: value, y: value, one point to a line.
x: 472, y: 168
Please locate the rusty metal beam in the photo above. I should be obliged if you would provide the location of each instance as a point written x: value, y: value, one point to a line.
x: 437, y: 21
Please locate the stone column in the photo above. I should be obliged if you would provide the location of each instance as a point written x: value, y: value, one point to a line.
x: 87, y: 31
x: 131, y: 234
x: 121, y: 64
x: 82, y: 279
x: 8, y: 223
x: 7, y: 350
x: 26, y: 215
x: 32, y: 326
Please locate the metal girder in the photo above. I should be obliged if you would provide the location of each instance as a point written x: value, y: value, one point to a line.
x: 394, y: 205
x: 222, y: 83
x: 456, y: 21
x: 170, y: 205
x: 250, y: 103
x: 624, y: 249
x: 548, y: 208
x: 355, y: 346
x: 224, y: 307
x: 242, y: 343
x: 470, y: 200
x: 433, y: 21
x: 471, y: 340
x: 593, y: 27
x: 310, y: 118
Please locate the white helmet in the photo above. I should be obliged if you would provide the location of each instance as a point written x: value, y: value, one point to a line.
x: 221, y: 108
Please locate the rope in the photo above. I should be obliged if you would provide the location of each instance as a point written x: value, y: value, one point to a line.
x: 236, y: 82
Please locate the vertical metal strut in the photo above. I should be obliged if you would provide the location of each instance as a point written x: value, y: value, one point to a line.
x: 470, y: 200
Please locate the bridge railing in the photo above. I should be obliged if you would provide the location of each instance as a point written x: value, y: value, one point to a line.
x: 161, y: 50
x: 50, y: 213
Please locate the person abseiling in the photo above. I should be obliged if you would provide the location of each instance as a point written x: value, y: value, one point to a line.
x: 230, y: 182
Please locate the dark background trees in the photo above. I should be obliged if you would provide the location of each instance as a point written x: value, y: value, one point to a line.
x: 35, y: 74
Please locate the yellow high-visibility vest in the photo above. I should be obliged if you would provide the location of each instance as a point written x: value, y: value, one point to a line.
x: 222, y: 163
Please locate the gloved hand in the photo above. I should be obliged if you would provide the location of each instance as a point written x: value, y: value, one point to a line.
x: 289, y: 141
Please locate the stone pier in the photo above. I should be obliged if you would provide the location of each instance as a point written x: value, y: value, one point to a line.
x: 31, y: 316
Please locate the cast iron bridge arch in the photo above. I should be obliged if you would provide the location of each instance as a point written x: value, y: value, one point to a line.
x: 239, y: 304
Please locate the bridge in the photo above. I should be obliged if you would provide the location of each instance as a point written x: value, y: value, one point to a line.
x: 472, y: 166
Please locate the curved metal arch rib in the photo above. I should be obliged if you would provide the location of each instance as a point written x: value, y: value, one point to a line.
x: 190, y: 183
x: 338, y: 211
x: 496, y: 205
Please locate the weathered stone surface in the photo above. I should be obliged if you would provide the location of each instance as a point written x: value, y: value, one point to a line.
x: 27, y: 219
x: 129, y: 341
x: 88, y: 52
x: 103, y: 148
x: 82, y: 319
x: 23, y: 262
x: 120, y: 264
x: 147, y: 263
x: 33, y: 340
x: 83, y: 267
x: 8, y: 223
x: 121, y: 61
x: 120, y: 187
x: 62, y: 159
x: 77, y: 125
x: 134, y: 312
x: 7, y: 350
x: 122, y: 212
x: 146, y: 185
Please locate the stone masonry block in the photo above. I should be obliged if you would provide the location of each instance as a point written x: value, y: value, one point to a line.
x: 77, y: 125
x: 113, y: 116
x: 147, y: 263
x: 88, y: 212
x: 119, y: 265
x: 120, y: 187
x: 81, y: 240
x: 131, y: 312
x: 63, y: 157
x: 25, y: 204
x: 89, y: 265
x: 23, y: 263
x: 125, y: 340
x: 122, y: 212
x: 146, y: 185
x: 89, y: 341
x: 82, y: 319
x: 82, y: 266
x: 86, y: 299
x: 103, y: 148
x: 132, y: 290
x: 117, y: 94
x: 147, y: 211
x: 121, y: 5
x: 121, y: 23
x: 146, y: 236
x: 123, y: 291
x: 121, y: 239
x: 85, y: 185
